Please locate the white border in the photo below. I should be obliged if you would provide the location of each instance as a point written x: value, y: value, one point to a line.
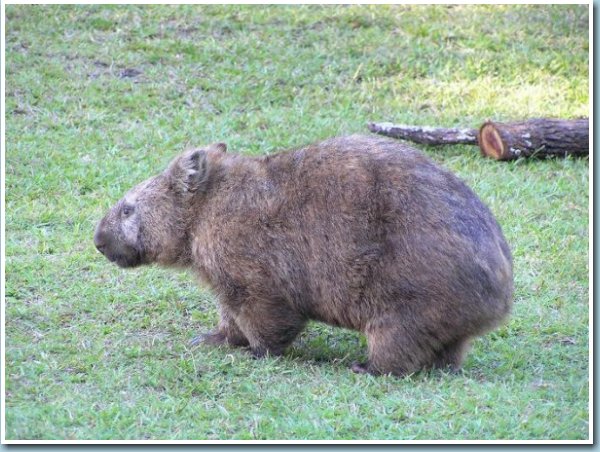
x: 239, y: 442
x: 315, y: 442
x: 288, y: 2
x: 3, y: 216
x: 591, y: 225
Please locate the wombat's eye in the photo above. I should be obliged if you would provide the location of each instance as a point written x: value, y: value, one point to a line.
x: 127, y: 210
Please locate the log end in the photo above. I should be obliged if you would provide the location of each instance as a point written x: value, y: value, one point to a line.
x: 491, y: 143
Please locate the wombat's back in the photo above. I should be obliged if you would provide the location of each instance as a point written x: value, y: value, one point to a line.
x: 380, y: 225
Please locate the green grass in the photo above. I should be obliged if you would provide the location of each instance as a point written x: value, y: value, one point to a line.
x: 99, y: 98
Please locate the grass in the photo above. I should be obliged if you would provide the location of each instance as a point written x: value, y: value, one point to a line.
x: 99, y: 98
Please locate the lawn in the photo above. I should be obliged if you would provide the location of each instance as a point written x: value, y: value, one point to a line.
x: 99, y: 98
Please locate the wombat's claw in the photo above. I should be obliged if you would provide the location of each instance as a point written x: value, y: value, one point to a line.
x: 359, y: 368
x: 209, y: 338
x: 196, y: 340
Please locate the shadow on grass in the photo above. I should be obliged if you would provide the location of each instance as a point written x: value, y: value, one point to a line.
x: 336, y: 349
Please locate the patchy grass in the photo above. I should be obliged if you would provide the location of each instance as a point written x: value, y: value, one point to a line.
x: 100, y: 97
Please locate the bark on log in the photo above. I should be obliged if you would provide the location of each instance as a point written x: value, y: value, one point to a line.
x: 425, y: 135
x: 534, y: 138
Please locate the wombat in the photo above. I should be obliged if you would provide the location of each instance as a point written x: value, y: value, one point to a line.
x: 360, y: 232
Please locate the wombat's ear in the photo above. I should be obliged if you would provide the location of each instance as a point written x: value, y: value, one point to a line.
x: 219, y: 147
x: 191, y: 172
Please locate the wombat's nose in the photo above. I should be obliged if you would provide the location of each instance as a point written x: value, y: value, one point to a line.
x: 100, y: 241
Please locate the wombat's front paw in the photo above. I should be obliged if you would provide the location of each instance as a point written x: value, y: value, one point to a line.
x: 215, y: 338
x: 260, y: 351
x: 360, y: 368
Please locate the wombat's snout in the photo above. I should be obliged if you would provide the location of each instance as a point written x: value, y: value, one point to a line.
x: 100, y: 240
x: 115, y: 250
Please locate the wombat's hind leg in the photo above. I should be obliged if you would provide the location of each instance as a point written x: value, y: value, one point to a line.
x: 270, y: 326
x: 395, y: 349
x: 452, y: 355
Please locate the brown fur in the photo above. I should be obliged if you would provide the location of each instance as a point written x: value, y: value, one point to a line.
x: 358, y: 232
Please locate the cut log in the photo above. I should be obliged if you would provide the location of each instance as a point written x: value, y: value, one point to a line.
x: 534, y: 138
x: 425, y: 135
